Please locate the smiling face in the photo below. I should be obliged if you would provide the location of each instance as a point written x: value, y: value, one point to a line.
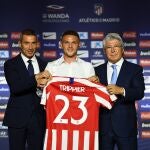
x: 114, y: 51
x: 70, y: 45
x: 28, y: 45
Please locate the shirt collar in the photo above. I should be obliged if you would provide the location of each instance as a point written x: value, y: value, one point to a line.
x: 25, y: 59
x: 62, y: 60
x: 119, y: 63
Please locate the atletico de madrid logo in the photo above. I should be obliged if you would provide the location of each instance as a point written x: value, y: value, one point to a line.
x: 98, y: 9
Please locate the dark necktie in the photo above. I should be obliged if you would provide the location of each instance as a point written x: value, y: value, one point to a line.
x: 30, y: 68
x: 114, y: 74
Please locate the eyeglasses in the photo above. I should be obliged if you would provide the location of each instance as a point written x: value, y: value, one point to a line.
x: 117, y: 47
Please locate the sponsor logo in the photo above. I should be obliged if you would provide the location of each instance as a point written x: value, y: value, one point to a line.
x: 129, y: 35
x: 144, y: 44
x: 55, y: 13
x: 14, y: 53
x: 55, y: 8
x: 99, y: 20
x: 3, y: 35
x: 145, y: 125
x: 145, y: 115
x: 144, y: 34
x: 129, y: 44
x: 37, y: 54
x: 130, y: 53
x: 4, y: 89
x: 50, y: 54
x: 145, y: 106
x: 4, y: 45
x: 2, y: 127
x: 83, y: 35
x: 145, y: 53
x: 4, y: 54
x: 49, y: 35
x: 49, y: 44
x: 83, y: 53
x: 145, y: 62
x: 145, y: 134
x: 146, y: 97
x: 4, y: 98
x: 2, y: 63
x: 1, y: 72
x: 56, y: 17
x: 96, y: 44
x: 3, y: 106
x: 15, y: 44
x: 3, y: 133
x: 15, y: 35
x: 83, y: 44
x: 147, y: 79
x: 147, y: 89
x: 146, y: 71
x: 98, y: 9
x: 2, y: 80
x: 132, y: 60
x: 97, y: 54
x: 97, y: 62
x: 97, y: 35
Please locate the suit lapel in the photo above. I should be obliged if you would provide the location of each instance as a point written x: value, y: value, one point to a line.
x: 40, y: 64
x: 105, y: 74
x: 123, y: 72
x: 21, y: 65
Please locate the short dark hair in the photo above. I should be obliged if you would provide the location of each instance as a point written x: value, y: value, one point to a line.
x: 70, y: 32
x: 27, y: 32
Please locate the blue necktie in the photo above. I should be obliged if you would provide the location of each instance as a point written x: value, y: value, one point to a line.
x: 114, y: 74
x: 30, y: 68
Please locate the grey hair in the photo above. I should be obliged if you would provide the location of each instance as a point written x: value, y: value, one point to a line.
x: 113, y: 36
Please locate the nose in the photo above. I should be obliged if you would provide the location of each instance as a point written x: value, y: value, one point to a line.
x: 70, y: 44
x: 30, y: 46
x: 113, y: 49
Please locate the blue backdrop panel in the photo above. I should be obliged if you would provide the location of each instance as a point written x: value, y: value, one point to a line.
x: 93, y: 19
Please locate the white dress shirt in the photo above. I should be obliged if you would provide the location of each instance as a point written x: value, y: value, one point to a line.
x: 110, y: 69
x: 34, y: 63
x: 77, y: 69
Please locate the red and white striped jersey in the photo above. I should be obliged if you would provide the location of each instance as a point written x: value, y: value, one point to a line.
x: 72, y: 113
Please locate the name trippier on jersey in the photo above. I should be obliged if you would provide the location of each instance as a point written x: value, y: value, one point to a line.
x: 67, y: 88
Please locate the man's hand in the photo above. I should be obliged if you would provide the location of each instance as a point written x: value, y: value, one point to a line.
x: 42, y: 78
x: 114, y: 89
x: 94, y: 79
x: 43, y: 74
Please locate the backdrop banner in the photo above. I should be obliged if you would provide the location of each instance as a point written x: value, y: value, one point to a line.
x: 92, y: 19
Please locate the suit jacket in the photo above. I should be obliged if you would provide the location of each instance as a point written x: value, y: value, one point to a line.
x: 23, y: 100
x: 122, y: 117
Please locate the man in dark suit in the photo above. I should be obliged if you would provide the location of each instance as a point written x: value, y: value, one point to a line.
x: 24, y: 116
x: 119, y: 125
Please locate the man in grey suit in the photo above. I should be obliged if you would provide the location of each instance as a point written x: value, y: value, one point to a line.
x: 118, y: 126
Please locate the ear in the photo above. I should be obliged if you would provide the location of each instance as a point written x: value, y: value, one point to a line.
x: 19, y: 42
x: 79, y: 45
x: 60, y: 44
x: 104, y: 51
x: 38, y: 45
